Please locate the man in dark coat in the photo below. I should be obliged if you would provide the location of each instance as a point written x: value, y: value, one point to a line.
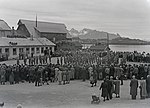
x: 104, y: 87
x: 133, y: 87
x: 37, y: 76
x: 117, y: 87
x: 83, y: 70
x: 112, y: 70
x: 109, y: 88
x: 148, y: 85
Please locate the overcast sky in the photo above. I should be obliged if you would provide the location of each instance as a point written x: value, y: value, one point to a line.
x: 130, y: 18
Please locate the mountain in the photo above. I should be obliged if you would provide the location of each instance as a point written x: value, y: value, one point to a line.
x: 128, y: 41
x: 74, y: 32
x: 92, y: 34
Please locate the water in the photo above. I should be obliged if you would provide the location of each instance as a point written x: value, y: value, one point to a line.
x: 129, y: 48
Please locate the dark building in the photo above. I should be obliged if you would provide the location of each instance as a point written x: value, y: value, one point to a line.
x: 52, y: 31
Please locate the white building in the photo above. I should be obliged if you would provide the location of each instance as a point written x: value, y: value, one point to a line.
x: 13, y: 47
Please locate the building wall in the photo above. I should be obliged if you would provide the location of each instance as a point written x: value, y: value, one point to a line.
x: 36, y: 52
x: 57, y: 36
x: 37, y: 34
x: 23, y: 30
x: 4, y: 33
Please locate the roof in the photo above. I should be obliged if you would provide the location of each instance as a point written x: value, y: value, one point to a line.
x: 4, y: 25
x: 4, y: 41
x: 47, y: 27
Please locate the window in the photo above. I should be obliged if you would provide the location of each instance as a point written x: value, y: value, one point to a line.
x: 42, y: 50
x: 27, y: 51
x: 37, y: 50
x: 20, y: 50
x: 32, y: 50
x: 7, y: 51
x: 14, y: 51
x: 46, y: 47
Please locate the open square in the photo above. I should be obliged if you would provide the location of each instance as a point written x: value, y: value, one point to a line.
x: 77, y: 94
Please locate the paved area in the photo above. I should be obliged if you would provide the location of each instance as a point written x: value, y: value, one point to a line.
x: 77, y: 94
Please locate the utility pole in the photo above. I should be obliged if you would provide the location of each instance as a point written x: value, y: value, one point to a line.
x: 108, y: 53
x: 36, y: 21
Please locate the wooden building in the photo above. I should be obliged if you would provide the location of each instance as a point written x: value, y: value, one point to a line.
x: 52, y: 31
x: 4, y: 29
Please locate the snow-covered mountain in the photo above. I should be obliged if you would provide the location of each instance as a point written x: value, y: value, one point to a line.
x: 91, y: 34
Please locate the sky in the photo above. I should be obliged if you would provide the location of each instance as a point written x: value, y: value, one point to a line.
x: 129, y: 18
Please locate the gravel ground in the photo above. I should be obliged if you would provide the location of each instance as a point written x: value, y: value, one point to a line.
x: 77, y: 94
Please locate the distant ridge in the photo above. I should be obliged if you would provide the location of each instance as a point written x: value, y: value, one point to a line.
x: 91, y: 34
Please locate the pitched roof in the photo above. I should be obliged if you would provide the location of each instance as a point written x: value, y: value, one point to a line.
x: 4, y: 25
x: 4, y: 41
x: 47, y: 27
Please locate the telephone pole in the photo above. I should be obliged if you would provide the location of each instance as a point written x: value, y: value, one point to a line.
x: 108, y: 52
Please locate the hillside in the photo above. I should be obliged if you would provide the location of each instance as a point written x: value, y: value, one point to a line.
x: 128, y: 41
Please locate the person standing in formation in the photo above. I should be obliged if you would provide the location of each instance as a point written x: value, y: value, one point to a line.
x: 56, y: 74
x: 59, y: 76
x: 133, y: 87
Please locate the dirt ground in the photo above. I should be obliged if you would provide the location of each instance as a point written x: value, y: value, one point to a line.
x: 77, y: 94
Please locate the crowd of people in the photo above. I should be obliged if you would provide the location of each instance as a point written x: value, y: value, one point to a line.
x: 79, y: 65
x: 138, y: 57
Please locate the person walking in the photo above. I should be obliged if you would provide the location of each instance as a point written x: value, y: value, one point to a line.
x: 133, y: 87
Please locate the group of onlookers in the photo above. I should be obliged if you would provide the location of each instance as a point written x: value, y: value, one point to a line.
x: 138, y: 57
x: 110, y: 86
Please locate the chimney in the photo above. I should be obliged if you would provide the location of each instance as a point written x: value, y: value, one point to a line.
x: 13, y: 31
